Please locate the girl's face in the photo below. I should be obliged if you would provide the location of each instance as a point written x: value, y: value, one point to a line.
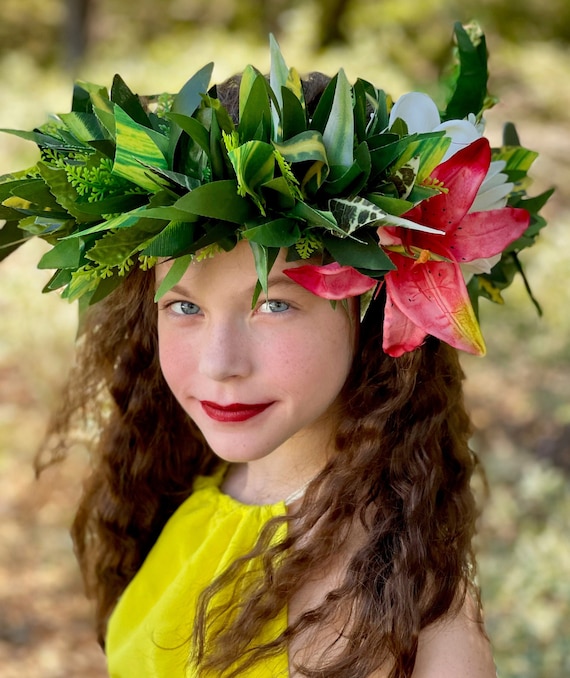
x: 256, y: 381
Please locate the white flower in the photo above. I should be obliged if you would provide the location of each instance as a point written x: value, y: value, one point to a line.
x: 420, y: 114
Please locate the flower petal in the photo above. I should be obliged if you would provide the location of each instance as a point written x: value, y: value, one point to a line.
x: 462, y: 133
x: 332, y: 281
x: 399, y: 333
x: 461, y: 175
x: 484, y: 234
x: 434, y: 298
x: 417, y: 110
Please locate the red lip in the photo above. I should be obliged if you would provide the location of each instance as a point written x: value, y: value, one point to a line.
x: 233, y: 413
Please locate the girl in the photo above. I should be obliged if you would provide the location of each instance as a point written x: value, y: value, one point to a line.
x: 268, y: 363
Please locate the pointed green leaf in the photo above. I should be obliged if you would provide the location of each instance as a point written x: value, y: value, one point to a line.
x: 338, y: 135
x: 276, y: 233
x: 255, y: 114
x: 471, y: 84
x: 178, y: 237
x: 66, y: 254
x: 264, y: 258
x: 294, y: 114
x: 366, y: 255
x: 187, y: 101
x: 217, y: 200
x: 278, y: 76
x: 122, y: 96
x: 11, y: 237
x: 83, y: 126
x: 173, y: 276
x: 195, y: 130
x: 254, y: 165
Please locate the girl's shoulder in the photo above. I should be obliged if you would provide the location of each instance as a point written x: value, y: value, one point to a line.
x: 455, y: 645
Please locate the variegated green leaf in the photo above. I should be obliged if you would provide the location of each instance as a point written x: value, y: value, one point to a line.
x: 308, y: 145
x: 355, y: 213
x: 254, y: 165
x: 83, y: 126
x: 429, y: 148
x: 136, y: 147
x: 404, y: 177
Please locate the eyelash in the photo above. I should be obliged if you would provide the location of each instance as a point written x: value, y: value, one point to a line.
x: 172, y: 308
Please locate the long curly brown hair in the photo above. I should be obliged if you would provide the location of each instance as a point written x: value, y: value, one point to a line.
x: 402, y: 471
x: 401, y: 477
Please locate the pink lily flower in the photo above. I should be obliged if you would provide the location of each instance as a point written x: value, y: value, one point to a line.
x: 332, y: 281
x: 427, y: 294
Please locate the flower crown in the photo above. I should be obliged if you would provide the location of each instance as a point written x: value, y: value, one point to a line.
x: 396, y: 195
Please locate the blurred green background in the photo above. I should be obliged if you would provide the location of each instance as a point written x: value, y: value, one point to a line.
x: 519, y: 395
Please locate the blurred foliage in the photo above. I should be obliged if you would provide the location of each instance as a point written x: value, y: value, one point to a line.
x: 519, y: 394
x: 56, y: 24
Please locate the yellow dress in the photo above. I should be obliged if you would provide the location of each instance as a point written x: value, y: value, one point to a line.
x: 149, y: 630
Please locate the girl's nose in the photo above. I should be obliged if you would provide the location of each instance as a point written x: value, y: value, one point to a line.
x: 225, y: 352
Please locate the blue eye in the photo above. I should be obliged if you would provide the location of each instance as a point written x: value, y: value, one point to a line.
x: 184, y: 308
x: 272, y: 306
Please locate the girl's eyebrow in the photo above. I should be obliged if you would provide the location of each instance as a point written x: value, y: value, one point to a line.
x: 278, y: 280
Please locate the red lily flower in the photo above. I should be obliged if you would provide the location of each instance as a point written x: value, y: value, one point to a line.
x: 428, y: 295
x: 332, y: 281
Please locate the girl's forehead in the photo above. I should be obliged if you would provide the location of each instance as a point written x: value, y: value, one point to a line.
x: 235, y: 268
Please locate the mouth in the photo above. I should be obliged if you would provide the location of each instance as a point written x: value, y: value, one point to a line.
x: 235, y: 412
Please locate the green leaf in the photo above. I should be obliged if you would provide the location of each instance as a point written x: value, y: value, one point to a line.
x: 194, y: 129
x: 125, y: 220
x: 66, y: 254
x: 428, y: 148
x: 59, y: 279
x: 116, y: 247
x: 190, y: 96
x: 217, y: 200
x: 471, y: 85
x: 122, y: 96
x: 173, y: 276
x: 294, y: 114
x: 390, y: 205
x: 254, y: 165
x: 175, y: 239
x: 278, y: 76
x: 352, y: 179
x: 11, y: 237
x: 136, y: 148
x: 278, y: 194
x: 361, y: 255
x: 83, y: 126
x: 338, y: 135
x: 323, y: 109
x: 264, y: 258
x: 113, y: 205
x: 255, y: 113
x: 308, y: 145
x: 67, y: 196
x: 277, y: 233
x: 518, y: 159
x: 315, y: 217
x: 187, y: 101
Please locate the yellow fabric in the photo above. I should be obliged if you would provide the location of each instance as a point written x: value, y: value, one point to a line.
x: 149, y: 630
